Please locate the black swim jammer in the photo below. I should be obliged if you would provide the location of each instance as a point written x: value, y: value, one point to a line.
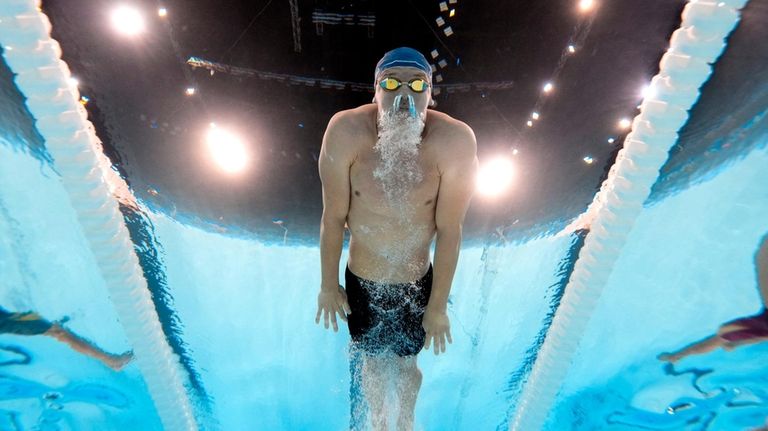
x: 386, y: 318
x: 26, y: 323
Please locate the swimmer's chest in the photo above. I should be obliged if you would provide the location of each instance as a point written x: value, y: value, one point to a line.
x: 368, y: 190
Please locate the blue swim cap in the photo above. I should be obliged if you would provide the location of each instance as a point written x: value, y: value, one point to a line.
x: 403, y: 57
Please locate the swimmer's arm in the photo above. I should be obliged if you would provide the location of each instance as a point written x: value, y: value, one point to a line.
x: 334, y: 163
x: 457, y: 182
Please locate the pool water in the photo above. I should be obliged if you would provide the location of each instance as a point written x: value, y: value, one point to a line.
x: 241, y: 317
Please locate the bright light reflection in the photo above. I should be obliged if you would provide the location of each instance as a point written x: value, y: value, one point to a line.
x: 571, y: 49
x: 647, y: 92
x: 548, y: 87
x: 162, y: 12
x: 588, y: 160
x: 535, y: 115
x: 452, y: 13
x: 586, y: 5
x: 529, y: 123
x: 611, y: 140
x: 127, y: 20
x: 495, y: 177
x: 226, y: 149
x: 190, y: 91
x: 624, y: 123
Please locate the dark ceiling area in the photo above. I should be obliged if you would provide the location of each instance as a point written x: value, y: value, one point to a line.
x: 276, y: 71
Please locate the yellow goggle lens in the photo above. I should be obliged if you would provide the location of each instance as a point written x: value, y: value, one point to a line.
x: 390, y: 84
x: 418, y: 85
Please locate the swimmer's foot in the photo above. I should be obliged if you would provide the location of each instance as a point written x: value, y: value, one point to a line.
x: 117, y: 362
x: 669, y: 357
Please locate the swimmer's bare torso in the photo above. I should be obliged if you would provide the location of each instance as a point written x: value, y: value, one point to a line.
x: 387, y: 245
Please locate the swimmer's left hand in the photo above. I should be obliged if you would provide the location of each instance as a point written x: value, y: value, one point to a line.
x: 331, y: 302
x: 438, y: 329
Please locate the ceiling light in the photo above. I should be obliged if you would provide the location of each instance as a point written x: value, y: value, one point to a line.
x: 495, y: 177
x: 127, y: 20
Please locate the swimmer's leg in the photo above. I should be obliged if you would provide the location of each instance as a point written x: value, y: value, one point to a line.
x: 407, y: 382
x: 375, y: 384
x: 80, y: 344
x: 703, y: 346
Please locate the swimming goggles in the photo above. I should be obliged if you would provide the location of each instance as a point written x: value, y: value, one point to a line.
x: 417, y: 85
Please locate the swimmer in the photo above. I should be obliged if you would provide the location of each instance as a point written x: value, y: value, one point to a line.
x: 741, y: 331
x: 30, y: 323
x: 399, y: 175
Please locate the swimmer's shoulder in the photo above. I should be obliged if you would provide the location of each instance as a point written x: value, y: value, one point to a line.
x: 343, y: 135
x: 443, y: 127
x: 356, y: 120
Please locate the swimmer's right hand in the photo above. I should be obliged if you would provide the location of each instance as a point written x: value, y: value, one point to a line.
x: 329, y: 303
